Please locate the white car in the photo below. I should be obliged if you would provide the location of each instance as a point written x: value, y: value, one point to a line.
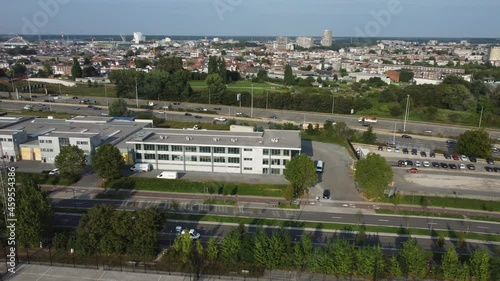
x: 221, y: 119
x: 396, y: 150
x: 463, y: 158
x: 426, y: 164
x: 462, y: 166
x: 239, y: 113
x: 192, y: 234
x: 389, y: 149
x: 28, y: 107
x: 54, y: 171
x: 418, y: 164
x: 151, y: 103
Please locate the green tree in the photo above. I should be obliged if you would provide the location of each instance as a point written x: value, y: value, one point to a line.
x: 145, y: 231
x: 70, y: 161
x: 373, y: 174
x: 108, y: 162
x: 60, y: 242
x: 221, y: 67
x: 302, y: 251
x: 289, y: 78
x: 216, y: 87
x: 369, y: 136
x: 93, y: 226
x: 213, y: 67
x: 450, y: 264
x: 301, y: 173
x: 18, y: 69
x: 342, y: 256
x: 212, y: 250
x: 89, y: 71
x: 395, y: 269
x: 480, y: 265
x: 413, y: 259
x: 76, y: 70
x: 369, y: 260
x: 396, y: 110
x: 170, y: 64
x: 118, y: 108
x: 33, y: 212
x: 475, y: 143
x: 261, y: 248
x: 230, y: 248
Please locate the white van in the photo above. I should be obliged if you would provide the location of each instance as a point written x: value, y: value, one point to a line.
x: 168, y: 175
x: 319, y: 166
x: 141, y: 167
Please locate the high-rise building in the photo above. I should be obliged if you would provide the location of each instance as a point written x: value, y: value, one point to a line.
x: 495, y: 55
x: 305, y: 42
x: 138, y: 37
x: 281, y: 43
x: 326, y: 41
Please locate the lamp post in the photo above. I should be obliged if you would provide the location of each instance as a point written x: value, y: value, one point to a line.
x: 407, y: 112
x: 105, y: 93
x: 481, y: 116
x: 136, y: 94
x: 251, y: 110
x: 29, y: 89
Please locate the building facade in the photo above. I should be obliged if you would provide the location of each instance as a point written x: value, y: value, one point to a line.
x: 215, y: 151
x: 494, y: 57
x: 327, y: 39
x: 305, y: 42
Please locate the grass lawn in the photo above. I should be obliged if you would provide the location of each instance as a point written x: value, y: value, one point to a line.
x: 239, y: 86
x: 449, y: 202
x: 414, y: 213
x: 183, y: 186
x: 45, y: 179
x: 81, y: 89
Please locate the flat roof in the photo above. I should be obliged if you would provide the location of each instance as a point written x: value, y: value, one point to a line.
x: 266, y: 139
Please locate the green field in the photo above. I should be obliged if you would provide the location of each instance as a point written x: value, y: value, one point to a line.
x: 450, y: 202
x: 239, y: 86
x: 82, y: 89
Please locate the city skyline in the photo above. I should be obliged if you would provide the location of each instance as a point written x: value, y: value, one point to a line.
x: 357, y: 18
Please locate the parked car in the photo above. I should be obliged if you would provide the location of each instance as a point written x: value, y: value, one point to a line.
x: 444, y: 165
x: 496, y: 169
x: 401, y: 163
x: 462, y: 166
x: 406, y: 136
x: 380, y: 148
x: 432, y: 154
x: 177, y: 103
x: 473, y: 159
x: 326, y: 194
x: 447, y: 155
x: 488, y: 169
x: 405, y: 150
x: 54, y: 171
x: 463, y: 158
x: 412, y: 170
x: 188, y: 114
x: 414, y: 151
x: 273, y: 117
x: 426, y: 164
x: 423, y: 154
x: 330, y: 121
x: 456, y: 158
x: 451, y: 141
x: 453, y: 166
x: 217, y: 108
x: 435, y: 164
x: 389, y: 149
x: 396, y: 149
x: 490, y: 161
x: 471, y: 167
x: 418, y: 164
x: 192, y: 234
x: 409, y: 162
x: 198, y: 117
x: 239, y: 114
x: 221, y: 119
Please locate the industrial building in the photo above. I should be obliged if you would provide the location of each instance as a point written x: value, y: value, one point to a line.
x: 214, y: 151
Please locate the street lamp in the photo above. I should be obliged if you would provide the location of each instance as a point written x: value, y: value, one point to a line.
x: 481, y: 116
x: 407, y: 111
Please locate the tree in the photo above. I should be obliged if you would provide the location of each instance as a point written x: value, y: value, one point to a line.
x: 212, y: 250
x: 230, y: 248
x: 33, y: 212
x: 170, y: 64
x: 405, y: 76
x: 369, y: 136
x: 289, y: 78
x: 108, y: 162
x: 302, y: 251
x: 450, y: 264
x: 89, y: 71
x: 93, y: 226
x: 213, y: 67
x: 395, y: 269
x: 413, y: 259
x: 475, y: 143
x: 480, y: 265
x: 18, y: 69
x: 342, y: 256
x: 301, y: 173
x: 76, y: 70
x: 373, y: 174
x: 396, y: 110
x: 118, y: 108
x: 216, y: 87
x: 369, y: 261
x: 70, y: 161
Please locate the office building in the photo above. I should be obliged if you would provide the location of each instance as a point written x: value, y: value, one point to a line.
x: 305, y: 42
x: 214, y: 151
x: 281, y: 43
x: 327, y: 39
x: 138, y: 37
x: 494, y: 57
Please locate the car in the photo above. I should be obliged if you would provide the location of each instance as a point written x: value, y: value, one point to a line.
x: 490, y: 161
x: 151, y: 103
x: 462, y: 166
x: 380, y: 148
x: 488, y: 169
x: 239, y: 114
x: 54, y: 171
x: 453, y: 166
x: 330, y: 121
x: 473, y: 159
x: 409, y: 162
x: 389, y: 149
x: 192, y: 234
x: 326, y: 194
x: 451, y: 142
x: 406, y: 136
x: 494, y: 149
x: 426, y: 164
x: 401, y: 163
x: 28, y: 107
x: 432, y: 154
x: 177, y: 103
x: 390, y: 143
x: 463, y: 158
x: 447, y: 155
x: 104, y: 113
x: 423, y: 154
x: 76, y: 108
x: 435, y: 164
x: 188, y: 114
x: 273, y: 117
x: 97, y: 108
x: 75, y: 98
x: 414, y: 151
x: 217, y: 108
x: 198, y: 117
x: 471, y: 167
x: 34, y: 96
x: 412, y: 170
x: 221, y: 119
x: 496, y: 169
x: 427, y: 132
x: 203, y: 109
x: 405, y: 150
x: 456, y: 158
x: 90, y: 106
x: 418, y: 164
x: 366, y: 125
x: 444, y: 165
x: 396, y: 149
x: 46, y: 171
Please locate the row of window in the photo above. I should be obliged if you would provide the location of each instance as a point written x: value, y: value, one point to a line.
x: 4, y: 139
x: 273, y: 171
x: 179, y: 148
x: 167, y: 157
x: 46, y: 149
x: 44, y: 141
x: 82, y: 142
x: 274, y: 162
x: 276, y: 152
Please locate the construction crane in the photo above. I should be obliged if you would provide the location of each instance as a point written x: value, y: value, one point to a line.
x: 123, y: 38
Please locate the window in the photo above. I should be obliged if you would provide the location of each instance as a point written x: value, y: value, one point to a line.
x: 220, y: 150
x: 82, y: 142
x: 176, y: 148
x: 265, y: 161
x: 138, y: 146
x: 275, y: 161
x: 247, y: 149
x: 233, y: 160
x: 190, y: 148
x: 48, y: 141
x: 63, y: 142
x: 192, y: 158
x: 41, y: 141
x: 149, y: 156
x: 286, y: 152
x: 247, y: 169
x: 248, y: 159
x: 285, y: 162
x: 162, y: 156
x: 138, y: 156
x: 205, y: 149
x: 205, y: 159
x: 219, y: 159
x: 9, y: 140
x: 150, y: 147
x: 47, y: 150
x: 265, y: 151
x: 162, y: 147
x: 265, y: 171
x: 275, y: 152
x: 275, y: 171
x: 233, y: 150
x: 176, y: 157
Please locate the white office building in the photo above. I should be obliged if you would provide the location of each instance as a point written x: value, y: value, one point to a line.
x: 305, y: 42
x: 138, y: 37
x: 215, y: 151
x: 327, y: 39
x: 494, y: 56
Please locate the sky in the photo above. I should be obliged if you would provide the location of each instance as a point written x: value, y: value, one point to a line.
x: 353, y: 18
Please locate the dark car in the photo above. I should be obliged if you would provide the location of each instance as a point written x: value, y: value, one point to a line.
x: 435, y: 164
x: 46, y: 171
x: 406, y: 136
x: 488, y: 169
x: 409, y: 162
x: 444, y: 165
x: 432, y: 154
x: 33, y: 96
x: 473, y: 159
x: 273, y: 117
x: 326, y: 194
x: 198, y: 117
x: 414, y: 151
x: 405, y: 150
x: 496, y: 169
x: 423, y: 153
x: 90, y: 106
x: 188, y: 114
x: 451, y: 141
x: 453, y: 166
x: 366, y: 125
x: 380, y: 148
x: 75, y: 98
x: 401, y: 163
x: 490, y: 161
x: 330, y: 121
x: 447, y: 155
x: 177, y: 103
x: 471, y: 167
x: 217, y: 108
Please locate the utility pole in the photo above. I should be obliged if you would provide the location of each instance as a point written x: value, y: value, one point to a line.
x: 407, y: 111
x: 136, y: 94
x: 333, y: 102
x: 267, y: 98
x: 481, y: 116
x: 209, y: 101
x: 251, y: 114
x: 106, y: 94
x: 29, y: 88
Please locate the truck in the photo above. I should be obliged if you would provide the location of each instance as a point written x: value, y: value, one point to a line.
x: 372, y: 120
x: 141, y: 167
x: 168, y: 175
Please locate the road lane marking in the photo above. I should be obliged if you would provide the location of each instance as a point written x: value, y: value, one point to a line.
x: 483, y: 227
x: 432, y: 223
x: 383, y: 220
x: 338, y: 218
